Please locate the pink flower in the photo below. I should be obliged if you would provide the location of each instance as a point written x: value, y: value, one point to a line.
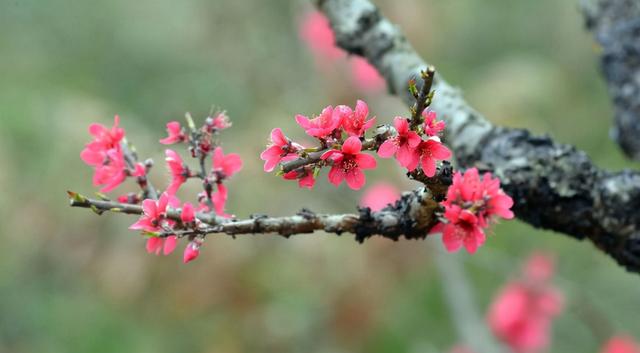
x: 429, y: 152
x: 356, y: 123
x: 380, y: 196
x: 188, y: 214
x: 304, y: 176
x: 621, y: 344
x: 499, y: 203
x: 175, y: 134
x: 280, y: 148
x: 522, y: 312
x: 165, y: 245
x: 432, y: 127
x: 219, y: 199
x: 316, y: 32
x: 112, y: 172
x: 105, y: 138
x: 470, y: 205
x: 154, y: 214
x: 365, y: 76
x: 324, y: 125
x: 348, y: 164
x: 225, y: 166
x: 462, y: 229
x: 219, y: 122
x: 179, y: 171
x: 402, y: 145
x: 192, y: 250
x: 104, y: 153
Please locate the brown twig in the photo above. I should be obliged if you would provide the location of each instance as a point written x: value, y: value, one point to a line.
x: 370, y: 144
x: 131, y: 158
x: 412, y: 217
x: 423, y: 99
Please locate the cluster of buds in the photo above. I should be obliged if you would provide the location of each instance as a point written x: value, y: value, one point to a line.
x: 165, y: 219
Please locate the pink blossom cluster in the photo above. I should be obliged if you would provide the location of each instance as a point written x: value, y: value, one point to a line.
x: 316, y: 32
x: 155, y: 220
x: 472, y: 203
x: 522, y: 313
x: 411, y: 150
x: 341, y: 132
x: 105, y: 154
x: 343, y: 154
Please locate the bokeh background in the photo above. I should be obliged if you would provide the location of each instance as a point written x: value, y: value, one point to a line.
x: 74, y: 282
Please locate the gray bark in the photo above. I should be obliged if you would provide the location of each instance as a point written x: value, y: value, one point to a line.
x: 554, y: 186
x: 616, y: 27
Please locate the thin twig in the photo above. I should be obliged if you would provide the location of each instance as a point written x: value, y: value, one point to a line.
x: 424, y: 97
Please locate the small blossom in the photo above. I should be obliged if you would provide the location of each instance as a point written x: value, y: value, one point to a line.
x: 348, y: 164
x: 179, y: 171
x: 462, y: 229
x: 356, y: 124
x: 225, y: 166
x: 219, y: 122
x: 105, y: 138
x: 324, y: 125
x: 429, y: 152
x: 112, y: 172
x: 192, y: 250
x: 402, y: 145
x: 104, y: 153
x: 154, y: 214
x: 621, y: 344
x: 280, y: 148
x: 175, y: 134
x: 522, y: 312
x: 432, y: 127
x: 471, y: 204
x: 380, y: 196
x: 304, y: 176
x: 166, y: 245
x: 188, y: 214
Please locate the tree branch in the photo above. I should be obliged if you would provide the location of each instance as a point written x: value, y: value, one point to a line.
x: 412, y: 216
x: 616, y: 27
x: 555, y: 186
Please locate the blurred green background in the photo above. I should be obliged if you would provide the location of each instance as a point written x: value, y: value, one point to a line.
x: 74, y: 282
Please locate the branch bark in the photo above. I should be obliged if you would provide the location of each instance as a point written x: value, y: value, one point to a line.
x: 555, y: 186
x: 616, y: 27
x: 412, y: 217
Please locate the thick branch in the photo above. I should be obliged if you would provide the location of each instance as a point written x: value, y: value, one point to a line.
x: 555, y: 186
x: 616, y: 26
